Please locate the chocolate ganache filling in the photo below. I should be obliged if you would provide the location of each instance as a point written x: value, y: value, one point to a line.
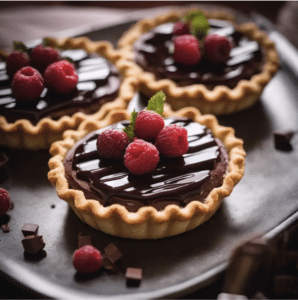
x: 176, y: 180
x: 99, y: 81
x: 152, y: 51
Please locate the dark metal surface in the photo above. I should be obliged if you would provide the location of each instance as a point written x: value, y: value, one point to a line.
x: 172, y: 267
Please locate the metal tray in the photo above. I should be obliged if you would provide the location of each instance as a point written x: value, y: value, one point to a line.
x: 264, y: 202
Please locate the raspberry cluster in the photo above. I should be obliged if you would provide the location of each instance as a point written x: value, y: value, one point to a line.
x: 152, y: 139
x: 31, y: 73
x: 192, y: 41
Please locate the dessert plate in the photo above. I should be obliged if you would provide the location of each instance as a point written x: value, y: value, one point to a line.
x: 264, y: 202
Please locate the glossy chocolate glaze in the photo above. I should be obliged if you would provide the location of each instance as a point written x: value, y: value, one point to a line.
x: 99, y: 82
x: 152, y: 53
x: 175, y: 180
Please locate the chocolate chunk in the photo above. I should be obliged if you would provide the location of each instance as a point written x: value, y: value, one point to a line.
x: 84, y: 240
x: 112, y: 252
x: 30, y: 229
x: 109, y: 265
x: 287, y: 262
x: 286, y: 285
x: 133, y: 276
x: 282, y: 140
x: 3, y: 159
x: 33, y: 244
x: 252, y: 262
x: 5, y: 228
x: 259, y: 296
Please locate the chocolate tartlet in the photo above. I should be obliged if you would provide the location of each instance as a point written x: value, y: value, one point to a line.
x: 179, y: 195
x: 212, y: 88
x: 101, y: 87
x: 176, y: 180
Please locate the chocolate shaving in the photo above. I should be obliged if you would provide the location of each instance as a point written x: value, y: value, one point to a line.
x: 3, y: 160
x: 30, y: 229
x: 5, y: 228
x: 33, y: 244
x: 133, y: 276
x: 84, y: 240
x: 282, y: 140
x: 112, y: 252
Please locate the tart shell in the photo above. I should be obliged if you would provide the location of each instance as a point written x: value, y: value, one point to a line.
x: 23, y: 134
x: 147, y: 222
x: 222, y: 100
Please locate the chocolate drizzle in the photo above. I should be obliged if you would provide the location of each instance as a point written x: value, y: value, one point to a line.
x: 175, y: 180
x: 99, y: 82
x: 152, y: 53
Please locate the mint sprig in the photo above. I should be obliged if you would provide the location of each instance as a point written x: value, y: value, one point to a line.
x: 200, y: 26
x: 129, y: 130
x: 19, y: 46
x: 155, y: 103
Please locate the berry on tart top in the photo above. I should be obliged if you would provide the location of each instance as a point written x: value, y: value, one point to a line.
x: 15, y: 61
x: 27, y: 84
x: 187, y: 49
x: 172, y: 141
x: 180, y: 28
x: 61, y: 77
x: 112, y: 143
x: 141, y: 157
x: 217, y: 48
x: 42, y: 56
x: 148, y: 124
x: 4, y: 201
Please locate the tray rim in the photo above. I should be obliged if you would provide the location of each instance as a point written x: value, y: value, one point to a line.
x: 179, y: 290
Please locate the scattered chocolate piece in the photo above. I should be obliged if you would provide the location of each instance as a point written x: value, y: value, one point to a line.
x: 53, y: 206
x: 33, y: 244
x: 249, y: 268
x: 259, y: 296
x: 30, y: 229
x: 133, y: 276
x: 286, y: 285
x: 282, y: 140
x: 5, y: 228
x: 84, y: 240
x: 3, y: 160
x: 112, y: 252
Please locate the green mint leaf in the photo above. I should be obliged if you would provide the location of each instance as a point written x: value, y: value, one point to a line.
x: 156, y: 102
x: 19, y: 46
x: 200, y: 26
x: 129, y: 130
x: 193, y: 14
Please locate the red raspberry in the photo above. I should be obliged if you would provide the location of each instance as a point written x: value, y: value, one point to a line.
x: 148, y: 124
x: 180, y: 28
x: 87, y: 259
x: 187, y: 50
x: 4, y: 202
x: 217, y: 48
x: 27, y: 84
x: 141, y: 157
x: 111, y: 143
x: 42, y: 56
x: 61, y: 77
x: 15, y: 61
x: 172, y: 141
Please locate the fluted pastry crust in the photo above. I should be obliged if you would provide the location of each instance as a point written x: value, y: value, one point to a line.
x: 23, y: 134
x: 222, y: 99
x: 147, y: 222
